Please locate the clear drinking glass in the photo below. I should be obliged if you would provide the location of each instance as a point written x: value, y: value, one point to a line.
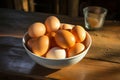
x: 94, y: 17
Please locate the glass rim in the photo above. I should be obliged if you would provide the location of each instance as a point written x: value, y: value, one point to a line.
x: 96, y: 7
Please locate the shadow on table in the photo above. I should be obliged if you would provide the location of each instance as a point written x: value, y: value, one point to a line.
x: 15, y: 61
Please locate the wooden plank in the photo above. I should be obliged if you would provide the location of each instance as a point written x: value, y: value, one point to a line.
x: 18, y: 4
x: 25, y: 5
x: 57, y: 6
x: 63, y: 7
x: 73, y: 8
x: 31, y: 5
x: 21, y: 5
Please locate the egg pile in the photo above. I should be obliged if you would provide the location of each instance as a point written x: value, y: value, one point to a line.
x: 55, y: 40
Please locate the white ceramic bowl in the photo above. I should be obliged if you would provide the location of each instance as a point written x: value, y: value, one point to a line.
x: 57, y: 63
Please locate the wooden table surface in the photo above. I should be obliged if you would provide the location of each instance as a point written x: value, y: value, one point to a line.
x: 101, y: 63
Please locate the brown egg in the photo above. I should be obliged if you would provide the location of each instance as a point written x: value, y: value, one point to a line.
x: 30, y: 42
x: 51, y: 36
x: 41, y: 46
x: 79, y: 33
x: 66, y: 26
x: 76, y: 49
x: 52, y: 23
x: 36, y: 30
x: 64, y: 39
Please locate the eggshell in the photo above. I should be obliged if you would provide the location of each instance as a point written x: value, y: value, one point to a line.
x: 64, y: 39
x: 52, y: 23
x: 30, y: 42
x: 66, y: 26
x: 79, y: 33
x: 76, y: 49
x: 56, y: 53
x: 41, y: 46
x: 36, y: 30
x: 52, y: 39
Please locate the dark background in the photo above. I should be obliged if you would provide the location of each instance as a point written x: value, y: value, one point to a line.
x: 48, y: 6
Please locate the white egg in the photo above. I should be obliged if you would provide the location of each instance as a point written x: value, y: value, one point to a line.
x: 56, y: 53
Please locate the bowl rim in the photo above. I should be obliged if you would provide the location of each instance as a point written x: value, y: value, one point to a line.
x: 23, y: 41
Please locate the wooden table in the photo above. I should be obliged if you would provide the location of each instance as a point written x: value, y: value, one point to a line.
x: 101, y: 63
